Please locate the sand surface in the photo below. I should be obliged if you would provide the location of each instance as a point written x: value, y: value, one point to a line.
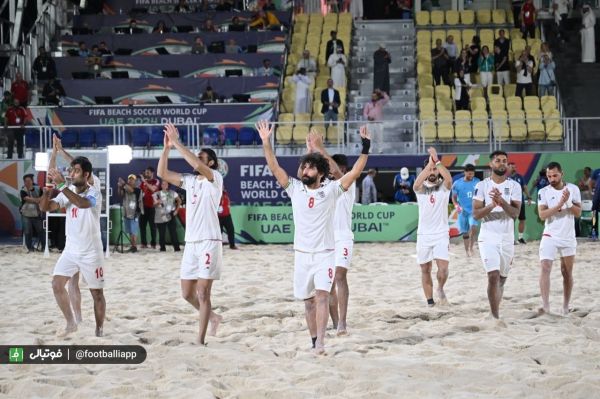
x: 396, y: 348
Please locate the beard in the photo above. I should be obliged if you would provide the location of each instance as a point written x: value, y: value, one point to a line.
x: 556, y: 184
x: 499, y: 171
x: 308, y: 180
x: 432, y: 178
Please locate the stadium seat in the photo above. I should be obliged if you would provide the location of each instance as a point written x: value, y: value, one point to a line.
x: 478, y: 104
x: 442, y: 91
x: 231, y: 135
x: 531, y: 103
x: 514, y: 103
x: 286, y: 117
x: 438, y: 34
x: 497, y: 103
x: 554, y: 131
x: 425, y: 80
x: 428, y: 131
x: 444, y: 116
x: 484, y: 17
x: 70, y: 138
x: 422, y: 18
x: 467, y: 17
x: 487, y: 38
x: 445, y: 132
x: 462, y: 129
x: 300, y: 133
x: 247, y: 135
x: 437, y: 17
x: 518, y: 131
x: 104, y: 137
x: 427, y: 104
x: 476, y: 91
x: 332, y: 133
x: 86, y: 138
x: 518, y: 45
x: 467, y: 36
x: 444, y: 104
x: 283, y: 134
x: 499, y: 16
x: 139, y: 137
x: 210, y: 136
x: 426, y: 91
x: 452, y: 17
x: 424, y: 37
x: 495, y: 90
x: 535, y: 126
x: 480, y: 132
x: 509, y: 90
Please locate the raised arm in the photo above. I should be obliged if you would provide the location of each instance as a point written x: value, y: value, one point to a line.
x: 418, y: 186
x: 443, y: 171
x: 512, y: 209
x: 354, y: 173
x: 163, y: 165
x: 74, y: 198
x: 46, y: 203
x: 315, y: 142
x: 265, y: 129
x: 199, y: 166
x: 572, y: 207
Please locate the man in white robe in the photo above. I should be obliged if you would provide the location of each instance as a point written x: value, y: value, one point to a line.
x: 588, y: 42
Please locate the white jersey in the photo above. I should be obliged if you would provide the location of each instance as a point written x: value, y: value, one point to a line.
x: 342, y: 221
x: 99, y: 190
x: 562, y: 224
x: 433, y: 209
x: 201, y: 205
x: 497, y: 226
x: 82, y: 225
x: 314, y: 211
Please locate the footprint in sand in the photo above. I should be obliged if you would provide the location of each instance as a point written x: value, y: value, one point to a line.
x: 173, y: 342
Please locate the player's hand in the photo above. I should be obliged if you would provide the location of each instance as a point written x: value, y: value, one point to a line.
x: 364, y: 132
x: 167, y: 141
x: 433, y: 154
x: 56, y: 143
x: 265, y: 129
x: 565, y: 196
x: 496, y: 197
x: 316, y: 139
x: 56, y: 176
x: 458, y: 209
x: 172, y: 133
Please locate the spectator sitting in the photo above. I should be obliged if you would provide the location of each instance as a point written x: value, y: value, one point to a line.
x: 132, y: 207
x: 225, y: 219
x: 439, y: 63
x: 166, y: 205
x: 502, y: 67
x: 403, y: 186
x: 369, y: 190
x: 223, y: 5
x: 208, y: 26
x: 266, y: 69
x: 52, y: 92
x: 15, y: 116
x: 330, y: 98
x: 524, y: 71
x: 32, y: 216
x: 232, y: 48
x: 461, y: 91
x: 198, y: 47
x: 103, y: 49
x: 264, y: 20
x: 83, y: 50
x: 486, y: 67
x: 20, y: 89
x: 308, y: 63
x: 44, y: 67
x: 133, y: 28
x: 237, y: 25
x: 94, y: 62
x: 209, y: 96
x: 161, y: 28
x: 547, y: 80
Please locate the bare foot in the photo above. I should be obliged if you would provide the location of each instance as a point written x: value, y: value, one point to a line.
x: 543, y: 310
x: 566, y: 311
x: 71, y: 328
x: 442, y: 297
x: 215, y: 320
x: 78, y: 319
x: 319, y: 351
x: 99, y: 332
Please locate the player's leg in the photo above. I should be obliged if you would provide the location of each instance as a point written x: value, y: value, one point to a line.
x: 442, y: 277
x: 522, y: 224
x: 463, y: 225
x: 547, y: 253
x: 75, y: 297
x: 493, y: 292
x: 473, y: 233
x: 62, y: 299
x: 322, y: 316
x: 343, y: 293
x: 203, y: 288
x: 310, y: 314
x: 491, y: 258
x: 99, y: 309
x: 427, y: 282
x: 566, y: 267
x: 333, y: 306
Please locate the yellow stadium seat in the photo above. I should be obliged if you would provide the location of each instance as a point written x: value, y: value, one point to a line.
x: 515, y: 33
x: 499, y: 16
x: 495, y: 90
x: 316, y: 16
x: 479, y: 116
x: 452, y: 17
x: 518, y: 45
x: 303, y: 118
x: 444, y: 104
x: 437, y: 17
x: 476, y: 92
x: 445, y: 132
x: 462, y: 133
x: 467, y: 36
x: 535, y: 126
x: 514, y: 103
x: 320, y: 129
x: 283, y: 135
x: 426, y: 91
x: 518, y: 131
x: 499, y: 115
x: 428, y: 131
x: 531, y: 103
x: 497, y: 103
x: 554, y: 131
x: 462, y: 116
x: 480, y: 132
x: 425, y: 80
x: 302, y: 18
x: 484, y: 17
x: 444, y: 116
x: 478, y: 104
x: 457, y: 35
x: 509, y: 90
x: 424, y: 38
x: 501, y: 131
x: 331, y: 18
x: 442, y: 91
x: 438, y: 34
x: 486, y: 36
x: 286, y: 117
x: 423, y: 67
x: 467, y: 17
x: 333, y: 131
x: 299, y: 133
x: 422, y: 18
x: 427, y: 104
x: 427, y: 115
x: 548, y: 102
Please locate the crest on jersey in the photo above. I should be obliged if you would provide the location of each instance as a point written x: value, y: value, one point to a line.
x: 321, y: 194
x: 506, y: 191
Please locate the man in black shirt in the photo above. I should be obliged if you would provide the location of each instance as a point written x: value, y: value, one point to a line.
x: 439, y: 61
x: 32, y: 216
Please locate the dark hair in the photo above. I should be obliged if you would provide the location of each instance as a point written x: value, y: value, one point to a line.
x: 554, y: 165
x: 212, y: 156
x: 498, y: 152
x: 84, y: 163
x: 151, y: 169
x: 29, y: 175
x: 318, y: 161
x: 332, y: 33
x: 587, y: 168
x: 340, y: 159
x: 469, y: 167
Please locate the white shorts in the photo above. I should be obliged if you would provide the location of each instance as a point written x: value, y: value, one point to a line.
x: 343, y: 253
x: 497, y: 256
x: 202, y: 259
x: 313, y: 271
x: 549, y: 246
x: 89, y: 264
x: 433, y: 246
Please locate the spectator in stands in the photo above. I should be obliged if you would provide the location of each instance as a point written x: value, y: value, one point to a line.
x: 232, y: 48
x: 439, y: 63
x: 15, y: 116
x: 103, y: 49
x: 560, y: 9
x: 269, y: 6
x: 545, y: 51
x: 586, y: 184
x: 332, y: 45
x: 474, y: 52
x: 503, y: 43
x: 588, y: 40
x: 308, y: 63
x: 225, y: 220
x: 44, y: 67
x: 32, y: 215
x: 303, y: 96
x: 208, y: 26
x: 161, y: 27
x: 264, y: 20
x: 451, y: 49
x: 381, y: 69
x: 369, y: 190
x: 166, y: 207
x: 183, y: 7
x: 132, y: 208
x: 209, y: 96
x: 517, y: 5
x: 149, y: 186
x: 223, y: 5
x: 133, y: 28
x: 53, y: 92
x: 20, y: 89
x: 547, y: 80
x: 94, y: 63
x: 83, y: 50
x: 403, y: 186
x: 461, y: 91
x: 463, y: 63
x: 330, y: 100
x: 237, y: 25
x: 524, y: 75
x: 337, y: 63
x: 486, y: 68
x: 266, y: 69
x: 502, y: 67
x: 373, y: 112
x: 355, y: 7
x: 198, y: 47
x: 528, y: 12
x: 7, y: 101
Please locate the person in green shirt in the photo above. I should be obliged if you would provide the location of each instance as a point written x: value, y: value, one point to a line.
x: 486, y: 67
